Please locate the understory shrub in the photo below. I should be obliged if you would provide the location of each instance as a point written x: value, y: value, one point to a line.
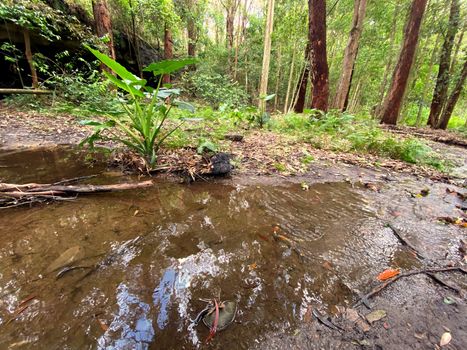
x: 215, y: 89
x: 347, y: 133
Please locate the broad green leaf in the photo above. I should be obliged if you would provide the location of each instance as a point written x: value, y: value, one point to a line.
x: 269, y: 97
x: 169, y: 66
x: 184, y: 105
x: 121, y: 71
x: 164, y: 93
x: 122, y: 85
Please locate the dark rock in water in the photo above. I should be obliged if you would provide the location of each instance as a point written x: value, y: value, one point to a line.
x: 220, y: 164
x: 234, y: 137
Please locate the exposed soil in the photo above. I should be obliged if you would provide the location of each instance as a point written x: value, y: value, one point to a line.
x: 260, y: 153
x: 347, y: 199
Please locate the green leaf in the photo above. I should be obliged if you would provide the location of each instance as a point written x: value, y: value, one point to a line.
x: 269, y: 97
x: 164, y: 93
x: 169, y: 66
x: 184, y: 105
x: 116, y: 67
x: 206, y: 146
x: 124, y: 86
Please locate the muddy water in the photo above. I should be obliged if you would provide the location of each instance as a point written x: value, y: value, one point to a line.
x: 147, y: 257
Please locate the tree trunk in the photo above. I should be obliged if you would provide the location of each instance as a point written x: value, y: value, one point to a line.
x: 263, y: 88
x: 456, y: 52
x: 289, y: 84
x: 425, y: 85
x: 451, y: 103
x: 168, y: 51
x: 27, y: 49
x: 393, y: 101
x: 278, y: 77
x: 104, y: 24
x: 192, y: 37
x: 319, y: 64
x: 442, y: 82
x: 350, y: 55
x: 303, y: 81
x: 135, y: 41
x: 390, y: 55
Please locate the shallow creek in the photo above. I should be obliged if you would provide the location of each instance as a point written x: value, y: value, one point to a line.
x: 146, y: 257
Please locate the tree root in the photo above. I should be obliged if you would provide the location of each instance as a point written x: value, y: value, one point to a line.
x: 405, y: 242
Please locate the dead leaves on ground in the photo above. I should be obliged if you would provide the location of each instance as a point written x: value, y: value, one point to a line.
x: 387, y: 274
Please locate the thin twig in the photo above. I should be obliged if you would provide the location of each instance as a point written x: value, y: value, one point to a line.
x: 404, y: 241
x: 380, y: 287
x: 444, y: 283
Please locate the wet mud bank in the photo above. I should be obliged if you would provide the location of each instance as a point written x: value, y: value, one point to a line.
x: 128, y: 270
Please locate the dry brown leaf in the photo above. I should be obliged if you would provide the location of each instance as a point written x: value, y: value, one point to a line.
x: 445, y: 339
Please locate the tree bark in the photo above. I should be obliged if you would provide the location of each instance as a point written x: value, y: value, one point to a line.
x: 456, y: 52
x: 278, y: 77
x: 134, y: 39
x: 289, y: 84
x: 425, y: 85
x: 442, y: 82
x: 168, y: 51
x: 28, y: 53
x: 303, y: 81
x: 319, y: 64
x: 263, y: 88
x: 350, y: 55
x: 393, y: 101
x: 104, y: 24
x: 192, y: 37
x: 451, y: 103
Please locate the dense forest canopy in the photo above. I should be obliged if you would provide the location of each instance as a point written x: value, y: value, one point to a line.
x: 364, y: 42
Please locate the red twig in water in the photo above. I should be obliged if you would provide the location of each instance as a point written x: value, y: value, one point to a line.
x: 213, y: 329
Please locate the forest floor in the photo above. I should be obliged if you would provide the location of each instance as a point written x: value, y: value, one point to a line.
x: 261, y: 152
x: 417, y: 309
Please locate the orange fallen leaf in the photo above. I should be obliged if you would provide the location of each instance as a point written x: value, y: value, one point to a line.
x: 387, y: 274
x: 252, y: 266
x: 103, y: 325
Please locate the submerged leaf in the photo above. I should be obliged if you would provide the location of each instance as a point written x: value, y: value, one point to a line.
x: 375, y: 315
x: 68, y: 257
x: 445, y: 339
x: 387, y: 274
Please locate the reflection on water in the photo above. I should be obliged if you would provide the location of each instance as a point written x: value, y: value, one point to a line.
x: 121, y: 334
x: 150, y: 255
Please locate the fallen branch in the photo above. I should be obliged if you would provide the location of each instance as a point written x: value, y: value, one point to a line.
x: 13, y: 195
x: 444, y: 283
x: 380, y: 287
x: 401, y: 239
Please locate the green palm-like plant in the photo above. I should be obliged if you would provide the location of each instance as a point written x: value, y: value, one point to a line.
x: 140, y: 128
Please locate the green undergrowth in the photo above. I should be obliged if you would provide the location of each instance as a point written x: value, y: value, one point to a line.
x: 347, y: 133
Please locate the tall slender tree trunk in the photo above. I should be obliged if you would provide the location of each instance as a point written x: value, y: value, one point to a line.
x: 452, y: 100
x: 350, y: 55
x: 456, y: 52
x: 168, y: 51
x: 421, y: 103
x: 393, y: 101
x: 278, y: 76
x: 319, y: 63
x: 289, y: 84
x: 104, y: 24
x: 263, y: 88
x: 389, y: 60
x: 303, y: 81
x: 192, y: 37
x: 135, y: 40
x: 28, y: 53
x: 442, y: 82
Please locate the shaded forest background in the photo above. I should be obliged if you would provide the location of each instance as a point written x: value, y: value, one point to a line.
x: 363, y: 47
